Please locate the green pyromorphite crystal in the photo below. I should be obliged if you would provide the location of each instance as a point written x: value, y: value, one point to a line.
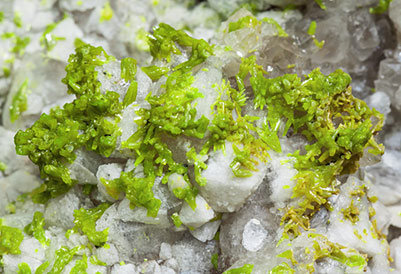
x: 282, y: 268
x: 10, y: 239
x: 320, y: 3
x: 80, y: 266
x: 321, y: 108
x: 128, y: 72
x: 19, y: 102
x: 49, y: 40
x: 106, y: 13
x: 338, y: 126
x: 63, y: 256
x: 3, y: 166
x: 154, y: 72
x: 245, y: 269
x: 42, y: 268
x: 252, y: 22
x: 17, y: 20
x: 215, y: 260
x: 85, y: 222
x: 381, y: 7
x: 171, y: 113
x: 36, y: 228
x: 20, y: 44
x: 244, y: 22
x: 138, y: 191
x: 90, y: 121
x: 176, y: 219
x: 164, y: 42
x: 23, y: 268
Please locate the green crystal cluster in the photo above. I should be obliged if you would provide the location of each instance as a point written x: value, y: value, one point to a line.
x: 338, y: 127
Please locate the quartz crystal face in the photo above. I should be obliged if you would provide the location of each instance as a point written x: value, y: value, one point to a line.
x: 214, y: 136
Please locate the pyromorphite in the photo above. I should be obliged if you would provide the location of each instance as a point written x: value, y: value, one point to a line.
x: 310, y: 107
x: 106, y: 13
x: 282, y: 268
x: 128, y: 71
x: 80, y: 266
x: 63, y: 256
x: 23, y: 268
x: 90, y: 121
x: 19, y: 102
x: 36, y: 228
x: 138, y: 191
x: 245, y: 269
x: 10, y: 239
x: 85, y: 221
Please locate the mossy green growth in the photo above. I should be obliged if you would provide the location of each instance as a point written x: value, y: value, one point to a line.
x: 245, y: 269
x: 23, y: 268
x: 89, y: 122
x: 19, y: 102
x: 10, y: 240
x: 1, y: 16
x: 381, y: 7
x: 36, y: 228
x: 85, y: 222
x: 63, y: 256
